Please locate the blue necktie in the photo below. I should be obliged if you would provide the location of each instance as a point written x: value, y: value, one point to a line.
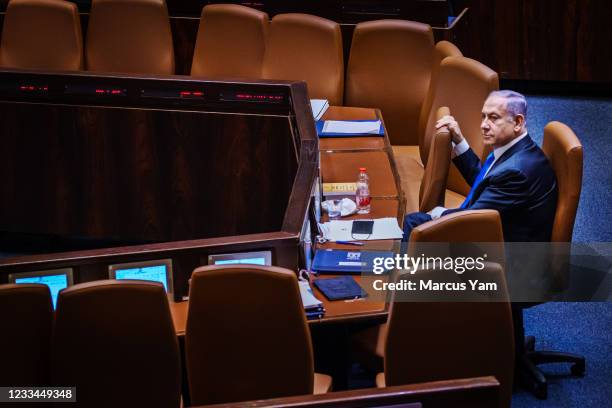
x: 483, y: 171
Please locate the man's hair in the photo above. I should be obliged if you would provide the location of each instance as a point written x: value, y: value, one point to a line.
x: 516, y: 104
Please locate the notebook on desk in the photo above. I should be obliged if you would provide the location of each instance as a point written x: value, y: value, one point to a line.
x: 343, y: 287
x: 339, y: 261
x: 350, y: 128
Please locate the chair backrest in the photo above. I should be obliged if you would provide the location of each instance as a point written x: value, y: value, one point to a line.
x: 230, y: 43
x: 117, y: 336
x: 463, y: 86
x: 308, y: 48
x: 442, y: 50
x: 564, y: 152
x: 129, y: 36
x: 26, y: 317
x: 246, y: 336
x: 433, y: 184
x: 431, y: 341
x: 389, y: 68
x: 42, y: 34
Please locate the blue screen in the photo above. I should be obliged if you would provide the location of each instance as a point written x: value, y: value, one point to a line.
x: 54, y: 282
x: 156, y: 273
x: 250, y: 261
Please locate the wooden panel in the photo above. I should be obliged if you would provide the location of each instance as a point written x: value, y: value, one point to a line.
x: 341, y: 167
x: 142, y: 175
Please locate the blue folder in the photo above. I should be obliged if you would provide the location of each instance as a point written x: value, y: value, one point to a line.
x: 320, y: 132
x: 338, y: 261
x: 343, y: 287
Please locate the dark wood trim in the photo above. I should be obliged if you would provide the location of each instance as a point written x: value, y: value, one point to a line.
x: 479, y: 392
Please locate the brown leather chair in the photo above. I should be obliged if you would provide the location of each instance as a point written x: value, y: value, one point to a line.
x: 433, y: 185
x: 463, y: 86
x: 231, y: 42
x: 389, y: 68
x: 444, y: 340
x: 26, y: 317
x: 432, y: 341
x: 420, y: 153
x: 443, y: 49
x: 115, y: 341
x: 308, y: 48
x: 42, y: 34
x: 564, y: 151
x: 247, y: 337
x: 129, y: 36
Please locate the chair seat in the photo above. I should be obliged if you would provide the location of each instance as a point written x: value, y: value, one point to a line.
x: 453, y: 200
x: 380, y: 380
x: 322, y: 383
x: 410, y: 169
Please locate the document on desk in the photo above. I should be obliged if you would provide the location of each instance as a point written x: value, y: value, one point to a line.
x: 319, y: 107
x: 346, y: 128
x: 384, y: 228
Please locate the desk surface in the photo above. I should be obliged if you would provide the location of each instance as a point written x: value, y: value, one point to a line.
x: 340, y: 162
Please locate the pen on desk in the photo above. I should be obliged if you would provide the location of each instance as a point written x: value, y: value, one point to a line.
x: 350, y: 243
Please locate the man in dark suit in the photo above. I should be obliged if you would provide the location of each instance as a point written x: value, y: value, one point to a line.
x: 516, y: 178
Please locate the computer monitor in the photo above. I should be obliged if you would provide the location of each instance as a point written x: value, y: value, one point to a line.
x: 159, y: 270
x: 263, y: 258
x: 55, y: 279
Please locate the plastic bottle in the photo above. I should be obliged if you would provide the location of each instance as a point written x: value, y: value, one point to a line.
x: 363, y: 192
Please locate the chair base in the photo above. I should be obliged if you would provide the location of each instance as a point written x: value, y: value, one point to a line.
x: 532, y: 378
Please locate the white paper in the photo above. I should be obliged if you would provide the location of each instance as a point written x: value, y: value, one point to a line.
x: 384, y: 228
x: 319, y: 107
x: 352, y: 127
x: 308, y: 299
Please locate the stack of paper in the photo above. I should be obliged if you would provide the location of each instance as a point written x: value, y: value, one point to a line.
x: 312, y: 306
x: 352, y: 127
x: 384, y: 228
x: 319, y: 106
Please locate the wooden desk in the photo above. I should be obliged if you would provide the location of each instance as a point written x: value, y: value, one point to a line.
x: 340, y: 162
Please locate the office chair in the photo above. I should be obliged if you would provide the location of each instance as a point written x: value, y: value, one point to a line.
x: 247, y: 337
x: 308, y: 48
x: 42, y: 34
x: 433, y: 184
x: 420, y: 153
x: 129, y: 36
x: 463, y: 86
x: 564, y: 151
x: 115, y: 341
x: 230, y: 43
x: 26, y: 317
x: 432, y: 340
x: 390, y: 68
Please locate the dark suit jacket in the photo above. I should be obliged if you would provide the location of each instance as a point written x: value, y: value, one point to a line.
x: 521, y: 185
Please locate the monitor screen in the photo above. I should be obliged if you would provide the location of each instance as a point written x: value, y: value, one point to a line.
x: 263, y: 258
x: 56, y: 280
x: 159, y: 270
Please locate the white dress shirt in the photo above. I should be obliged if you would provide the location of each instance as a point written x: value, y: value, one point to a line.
x: 460, y: 148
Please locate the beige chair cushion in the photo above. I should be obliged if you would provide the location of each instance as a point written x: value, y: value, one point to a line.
x: 410, y: 169
x: 453, y: 200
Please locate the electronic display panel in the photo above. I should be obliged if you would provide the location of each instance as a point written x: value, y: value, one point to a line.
x: 55, y: 279
x: 263, y: 258
x: 159, y: 270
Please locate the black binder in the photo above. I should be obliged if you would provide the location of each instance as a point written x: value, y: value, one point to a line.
x: 343, y: 287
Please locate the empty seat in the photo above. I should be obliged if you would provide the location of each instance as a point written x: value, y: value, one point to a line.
x: 463, y: 86
x: 247, y: 336
x: 129, y: 36
x: 308, y: 48
x: 117, y: 337
x: 26, y: 317
x: 231, y: 42
x: 389, y: 68
x: 42, y: 34
x: 433, y: 185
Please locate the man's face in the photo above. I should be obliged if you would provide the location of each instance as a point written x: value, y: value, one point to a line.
x: 498, y: 126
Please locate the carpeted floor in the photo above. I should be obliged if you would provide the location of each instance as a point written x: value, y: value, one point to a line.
x: 583, y: 328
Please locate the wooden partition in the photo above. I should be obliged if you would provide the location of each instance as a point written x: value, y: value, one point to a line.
x: 129, y: 168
